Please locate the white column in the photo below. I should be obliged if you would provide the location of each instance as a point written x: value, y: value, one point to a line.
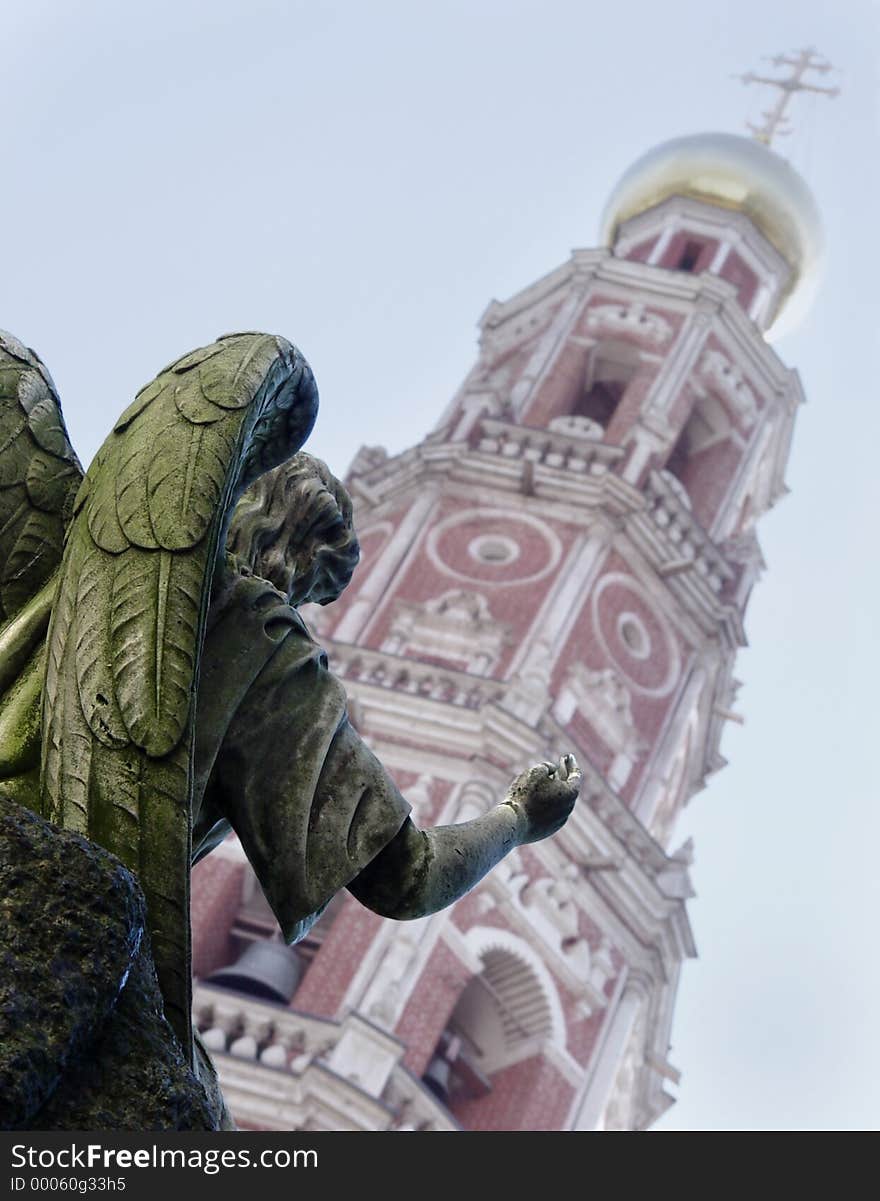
x: 661, y: 244
x: 720, y: 258
x: 655, y: 780
x: 546, y: 350
x: 613, y: 1048
x: 570, y: 586
x: 645, y: 445
x: 680, y: 360
x: 745, y: 478
x: 759, y: 305
x: 473, y: 407
x: 531, y: 671
x: 365, y: 1055
x: 377, y: 581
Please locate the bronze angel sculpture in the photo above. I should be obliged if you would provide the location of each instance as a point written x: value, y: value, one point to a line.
x: 158, y: 687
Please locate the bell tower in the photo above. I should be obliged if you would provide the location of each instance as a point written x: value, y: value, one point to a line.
x: 563, y: 563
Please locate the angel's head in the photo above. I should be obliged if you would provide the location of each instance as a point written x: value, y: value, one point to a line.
x: 294, y: 528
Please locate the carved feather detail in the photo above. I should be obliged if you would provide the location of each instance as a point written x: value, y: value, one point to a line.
x: 59, y: 642
x: 231, y: 379
x: 145, y: 397
x: 126, y: 470
x: 154, y: 621
x: 94, y: 656
x: 32, y: 560
x: 16, y: 448
x: 50, y: 481
x: 99, y: 490
x: 187, y: 478
x: 38, y: 472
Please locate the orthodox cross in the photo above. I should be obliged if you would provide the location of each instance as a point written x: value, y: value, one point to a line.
x: 775, y: 118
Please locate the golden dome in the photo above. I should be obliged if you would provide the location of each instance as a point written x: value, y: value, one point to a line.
x: 736, y: 173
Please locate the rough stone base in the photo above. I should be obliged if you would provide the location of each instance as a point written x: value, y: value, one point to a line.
x: 84, y: 1044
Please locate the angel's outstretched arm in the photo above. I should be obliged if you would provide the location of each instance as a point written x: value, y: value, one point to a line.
x: 421, y: 871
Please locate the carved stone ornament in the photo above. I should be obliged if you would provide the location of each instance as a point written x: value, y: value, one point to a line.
x: 574, y: 426
x: 725, y: 380
x: 604, y: 701
x: 630, y: 317
x: 677, y: 488
x: 457, y: 626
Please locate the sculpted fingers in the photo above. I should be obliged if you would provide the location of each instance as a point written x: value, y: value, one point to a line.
x: 545, y: 795
x: 569, y: 770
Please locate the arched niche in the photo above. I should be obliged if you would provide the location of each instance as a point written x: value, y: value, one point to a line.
x: 508, y: 1012
x: 611, y: 365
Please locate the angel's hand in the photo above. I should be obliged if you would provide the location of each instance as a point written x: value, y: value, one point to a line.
x: 544, y: 796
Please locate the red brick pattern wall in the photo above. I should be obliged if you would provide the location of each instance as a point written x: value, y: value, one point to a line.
x: 742, y: 277
x: 326, y: 982
x: 676, y: 248
x: 430, y: 1004
x: 216, y: 899
x: 530, y: 1095
x: 652, y: 681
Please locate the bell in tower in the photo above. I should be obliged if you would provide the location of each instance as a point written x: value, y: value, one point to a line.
x: 267, y: 969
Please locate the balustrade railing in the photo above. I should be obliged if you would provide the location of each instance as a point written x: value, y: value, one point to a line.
x: 566, y: 452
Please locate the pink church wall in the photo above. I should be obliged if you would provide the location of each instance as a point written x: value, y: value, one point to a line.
x: 326, y: 982
x: 430, y: 1005
x: 530, y: 1095
x: 216, y: 899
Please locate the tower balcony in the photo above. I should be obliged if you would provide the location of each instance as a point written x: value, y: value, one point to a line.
x: 577, y: 453
x: 281, y: 1069
x: 688, y: 546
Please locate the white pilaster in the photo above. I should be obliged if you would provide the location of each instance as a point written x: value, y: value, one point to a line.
x: 376, y: 583
x: 662, y: 244
x: 613, y: 1046
x: 719, y: 258
x: 546, y: 350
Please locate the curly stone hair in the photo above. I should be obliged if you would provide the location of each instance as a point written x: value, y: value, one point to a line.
x: 294, y: 528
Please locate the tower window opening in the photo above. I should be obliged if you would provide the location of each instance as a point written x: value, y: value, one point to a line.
x: 501, y: 1017
x: 610, y: 368
x: 701, y: 459
x: 689, y: 257
x: 600, y: 401
x: 677, y: 461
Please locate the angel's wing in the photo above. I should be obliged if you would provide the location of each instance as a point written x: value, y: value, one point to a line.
x: 127, y: 627
x: 39, y: 476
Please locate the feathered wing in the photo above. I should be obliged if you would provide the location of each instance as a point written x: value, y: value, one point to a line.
x: 39, y: 476
x: 127, y: 627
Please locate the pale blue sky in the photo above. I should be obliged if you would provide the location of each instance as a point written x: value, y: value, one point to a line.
x: 364, y: 177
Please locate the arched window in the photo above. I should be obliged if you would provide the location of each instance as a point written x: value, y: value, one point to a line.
x: 610, y: 367
x: 703, y: 457
x: 689, y: 256
x: 505, y: 1014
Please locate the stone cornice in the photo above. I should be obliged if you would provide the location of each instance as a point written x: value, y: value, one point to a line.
x: 677, y: 290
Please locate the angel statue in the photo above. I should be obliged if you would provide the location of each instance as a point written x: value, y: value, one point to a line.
x: 158, y: 688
